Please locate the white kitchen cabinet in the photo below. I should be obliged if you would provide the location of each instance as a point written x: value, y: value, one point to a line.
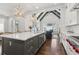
x: 71, y: 18
x: 2, y: 26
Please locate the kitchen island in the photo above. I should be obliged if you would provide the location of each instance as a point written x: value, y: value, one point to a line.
x: 25, y: 43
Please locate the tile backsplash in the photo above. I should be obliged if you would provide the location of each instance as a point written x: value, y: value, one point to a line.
x: 74, y: 29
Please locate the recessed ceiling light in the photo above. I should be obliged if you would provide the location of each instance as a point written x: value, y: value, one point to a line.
x: 37, y: 7
x: 50, y: 13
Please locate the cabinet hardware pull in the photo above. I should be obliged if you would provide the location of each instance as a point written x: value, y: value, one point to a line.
x: 10, y: 43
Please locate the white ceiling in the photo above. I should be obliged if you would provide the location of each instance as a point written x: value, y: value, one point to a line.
x: 26, y: 7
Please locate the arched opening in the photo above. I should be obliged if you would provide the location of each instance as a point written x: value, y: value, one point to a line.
x: 50, y: 23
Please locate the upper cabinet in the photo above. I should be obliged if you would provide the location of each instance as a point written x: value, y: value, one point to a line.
x: 70, y: 6
x: 2, y: 21
x: 72, y: 17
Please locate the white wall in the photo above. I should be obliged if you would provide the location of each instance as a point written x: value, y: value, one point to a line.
x: 62, y: 21
x: 28, y: 21
x: 21, y: 24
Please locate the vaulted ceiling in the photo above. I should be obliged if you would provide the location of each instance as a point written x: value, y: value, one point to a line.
x: 9, y: 8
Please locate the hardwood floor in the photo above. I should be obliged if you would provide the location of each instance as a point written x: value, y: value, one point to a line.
x: 52, y: 47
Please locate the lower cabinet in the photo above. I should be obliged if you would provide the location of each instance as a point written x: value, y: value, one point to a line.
x: 41, y: 40
x: 12, y: 47
x: 31, y: 46
x: 18, y: 47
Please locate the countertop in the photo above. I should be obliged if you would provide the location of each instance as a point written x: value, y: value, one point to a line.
x: 21, y: 36
x: 71, y: 34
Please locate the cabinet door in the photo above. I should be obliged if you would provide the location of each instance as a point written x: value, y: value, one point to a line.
x: 35, y: 44
x: 28, y: 47
x: 12, y: 47
x: 6, y: 46
x: 31, y: 45
x: 41, y: 39
x: 17, y: 47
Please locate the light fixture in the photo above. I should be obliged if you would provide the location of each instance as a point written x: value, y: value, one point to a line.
x: 18, y: 11
x: 34, y: 18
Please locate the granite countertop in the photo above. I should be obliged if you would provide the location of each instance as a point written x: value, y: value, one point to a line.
x: 21, y: 36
